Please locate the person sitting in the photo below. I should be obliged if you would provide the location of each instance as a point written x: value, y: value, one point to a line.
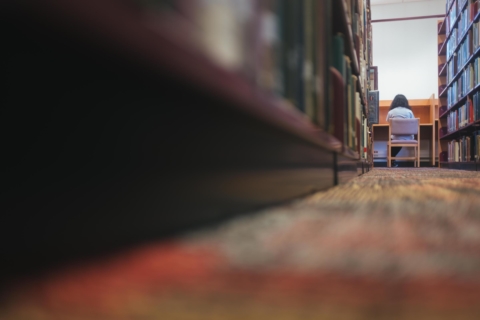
x: 399, y: 109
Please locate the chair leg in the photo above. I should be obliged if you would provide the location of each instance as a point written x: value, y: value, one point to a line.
x: 415, y: 155
x: 418, y: 157
x: 415, y: 162
x: 389, y: 155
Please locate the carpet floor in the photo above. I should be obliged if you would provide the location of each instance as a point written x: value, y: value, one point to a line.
x: 390, y: 244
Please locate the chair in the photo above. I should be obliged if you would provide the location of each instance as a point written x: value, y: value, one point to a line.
x: 400, y: 126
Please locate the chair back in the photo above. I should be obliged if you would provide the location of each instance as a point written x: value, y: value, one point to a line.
x: 401, y: 126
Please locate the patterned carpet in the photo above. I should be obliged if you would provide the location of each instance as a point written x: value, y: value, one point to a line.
x: 390, y: 244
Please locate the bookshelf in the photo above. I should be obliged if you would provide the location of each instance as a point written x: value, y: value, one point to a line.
x: 133, y: 120
x: 351, y: 41
x: 427, y: 111
x: 458, y: 59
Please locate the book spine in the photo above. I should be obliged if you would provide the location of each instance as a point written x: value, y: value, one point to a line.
x: 338, y: 95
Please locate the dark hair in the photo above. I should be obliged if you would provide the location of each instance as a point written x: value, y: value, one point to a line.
x: 400, y: 101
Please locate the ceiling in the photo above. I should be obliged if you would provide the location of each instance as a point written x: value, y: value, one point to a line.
x: 376, y: 2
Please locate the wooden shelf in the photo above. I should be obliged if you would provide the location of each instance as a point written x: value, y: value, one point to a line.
x: 444, y: 138
x: 140, y: 127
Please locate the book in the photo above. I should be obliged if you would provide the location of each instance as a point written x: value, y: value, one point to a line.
x: 349, y: 101
x: 309, y: 66
x: 373, y: 106
x: 338, y: 99
x: 292, y: 48
x: 338, y: 60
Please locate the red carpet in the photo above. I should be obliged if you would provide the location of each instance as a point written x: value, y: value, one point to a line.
x: 391, y: 244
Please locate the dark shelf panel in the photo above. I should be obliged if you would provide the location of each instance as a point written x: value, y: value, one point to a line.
x: 467, y: 165
x: 346, y: 168
x: 442, y: 27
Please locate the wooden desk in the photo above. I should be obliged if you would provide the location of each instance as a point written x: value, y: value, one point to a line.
x: 427, y: 111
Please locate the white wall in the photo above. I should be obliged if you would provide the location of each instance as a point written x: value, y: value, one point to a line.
x: 406, y: 51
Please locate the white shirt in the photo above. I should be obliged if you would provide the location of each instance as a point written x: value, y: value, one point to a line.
x: 401, y: 112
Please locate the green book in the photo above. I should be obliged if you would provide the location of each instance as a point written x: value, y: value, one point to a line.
x: 338, y: 48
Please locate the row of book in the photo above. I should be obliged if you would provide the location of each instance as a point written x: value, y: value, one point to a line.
x: 448, y: 3
x: 451, y: 45
x: 362, y: 37
x: 465, y: 149
x: 465, y: 51
x: 348, y: 87
x: 283, y: 48
x: 456, y: 8
x: 452, y: 14
x: 452, y: 69
x: 280, y: 46
x: 467, y: 81
x: 465, y: 114
x: 358, y: 20
x: 465, y: 19
x: 224, y: 30
x: 352, y: 100
x: 366, y: 59
x: 277, y: 45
